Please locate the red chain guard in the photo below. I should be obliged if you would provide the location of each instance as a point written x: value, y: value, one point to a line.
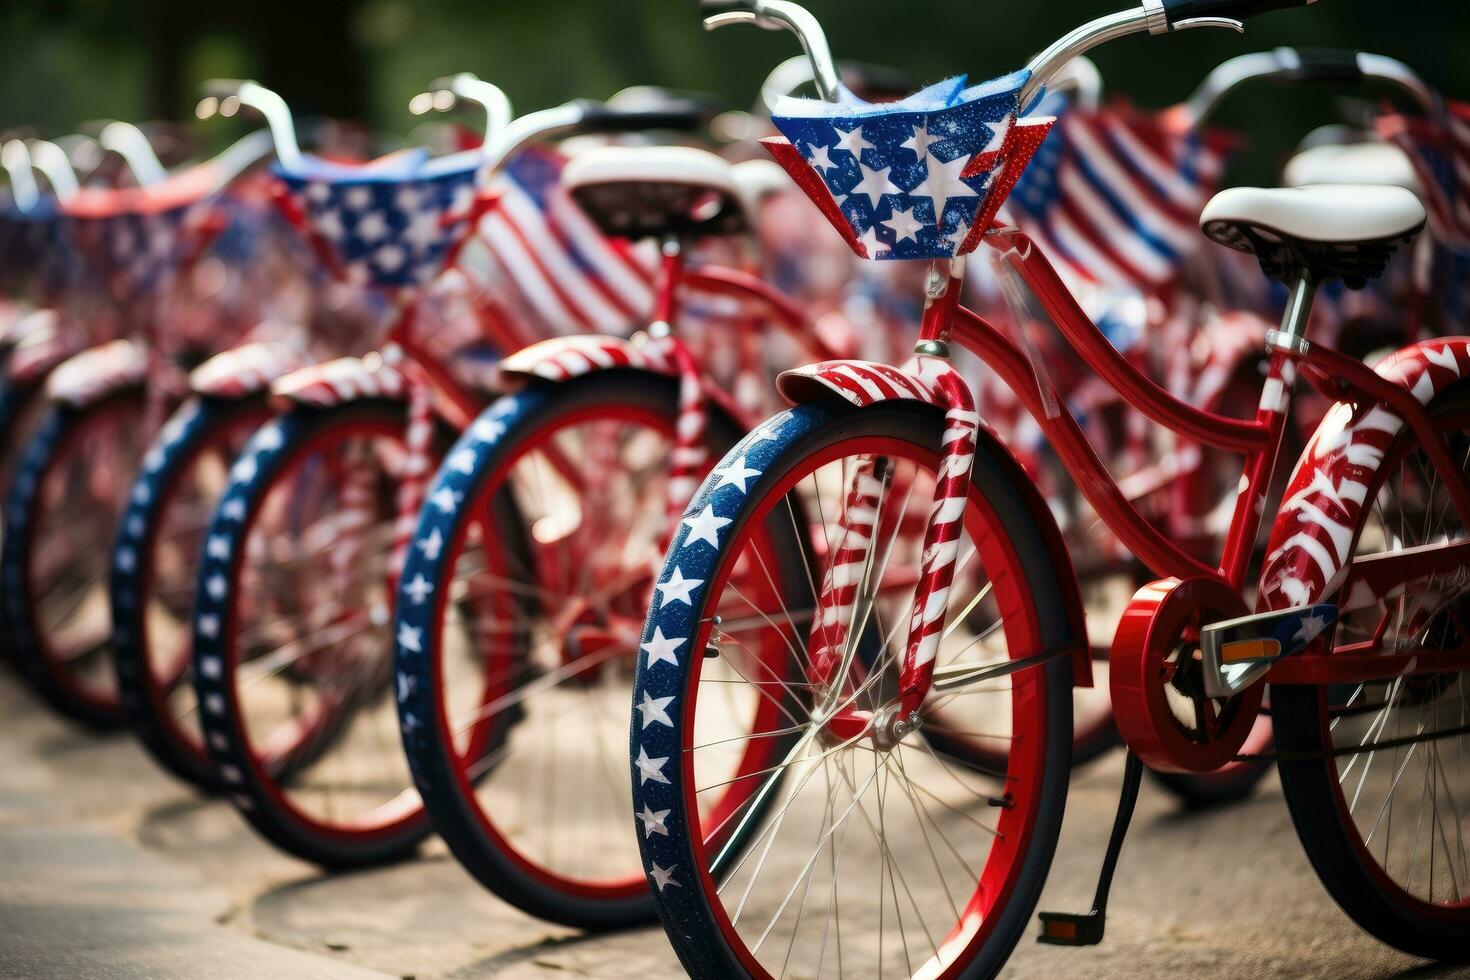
x: 1153, y: 625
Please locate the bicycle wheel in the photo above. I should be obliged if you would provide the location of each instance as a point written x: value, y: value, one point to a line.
x: 1375, y: 773
x: 154, y: 567
x: 63, y: 505
x: 292, y: 652
x: 518, y: 620
x: 859, y: 844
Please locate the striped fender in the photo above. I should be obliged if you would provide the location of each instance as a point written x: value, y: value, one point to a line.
x: 860, y: 382
x: 342, y: 380
x: 85, y: 377
x: 1312, y: 537
x: 244, y: 370
x: 562, y: 358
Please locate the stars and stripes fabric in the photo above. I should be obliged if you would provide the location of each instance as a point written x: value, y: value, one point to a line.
x: 546, y: 265
x: 1114, y: 194
x: 914, y: 179
x: 134, y: 253
x: 389, y: 228
x: 1439, y: 148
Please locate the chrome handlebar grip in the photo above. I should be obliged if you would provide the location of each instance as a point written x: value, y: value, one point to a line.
x: 128, y: 142
x: 225, y: 96
x: 52, y: 161
x: 776, y: 15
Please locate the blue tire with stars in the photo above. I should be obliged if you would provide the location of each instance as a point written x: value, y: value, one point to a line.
x: 199, y: 427
x: 678, y: 638
x: 261, y: 792
x: 16, y: 402
x: 52, y: 446
x: 471, y: 484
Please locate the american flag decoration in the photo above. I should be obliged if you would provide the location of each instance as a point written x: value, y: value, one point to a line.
x: 915, y: 179
x: 1440, y: 151
x: 545, y: 263
x: 386, y: 227
x: 1113, y: 196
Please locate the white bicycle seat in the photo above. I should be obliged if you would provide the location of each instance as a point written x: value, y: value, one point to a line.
x: 650, y: 191
x: 1352, y: 163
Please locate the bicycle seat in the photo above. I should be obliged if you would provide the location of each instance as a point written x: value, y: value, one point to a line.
x: 1353, y: 163
x: 1328, y: 231
x: 654, y: 191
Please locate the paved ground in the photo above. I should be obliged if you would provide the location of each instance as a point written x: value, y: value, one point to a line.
x: 110, y: 869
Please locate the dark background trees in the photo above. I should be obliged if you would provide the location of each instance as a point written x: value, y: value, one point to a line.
x: 66, y: 61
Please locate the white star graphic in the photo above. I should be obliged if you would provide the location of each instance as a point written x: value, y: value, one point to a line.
x: 875, y: 184
x: 904, y: 225
x: 852, y: 141
x: 678, y: 588
x: 662, y: 648
x: 243, y: 470
x: 462, y: 461
x: 141, y: 493
x: 357, y: 198
x: 328, y: 224
x: 218, y: 547
x: 1311, y: 628
x: 210, y: 667
x: 372, y: 227
x: 871, y: 243
x: 410, y: 638
x: 820, y: 158
x: 418, y: 590
x: 318, y: 193
x: 208, y: 625
x: 735, y: 474
x: 408, y: 199
x: 943, y: 184
x: 423, y: 230
x: 233, y: 509
x: 487, y: 430
x: 269, y: 438
x: 126, y: 559
x: 650, y: 768
x: 920, y: 141
x: 445, y: 499
x: 216, y: 587
x: 662, y: 876
x: 390, y: 258
x: 653, y: 821
x: 652, y: 710
x: 705, y: 526
x: 768, y: 431
x: 432, y: 545
x: 154, y: 459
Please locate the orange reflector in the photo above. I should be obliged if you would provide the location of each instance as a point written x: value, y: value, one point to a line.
x: 1061, y: 929
x: 1241, y: 651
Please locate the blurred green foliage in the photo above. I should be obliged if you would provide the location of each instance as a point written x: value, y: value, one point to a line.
x: 66, y: 61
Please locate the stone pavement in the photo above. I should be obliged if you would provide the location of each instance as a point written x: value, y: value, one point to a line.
x: 109, y: 868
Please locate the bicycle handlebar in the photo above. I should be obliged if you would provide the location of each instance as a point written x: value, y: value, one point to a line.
x: 128, y: 142
x: 225, y: 96
x: 443, y: 93
x: 1308, y: 65
x: 52, y: 161
x: 1153, y: 16
x: 16, y: 159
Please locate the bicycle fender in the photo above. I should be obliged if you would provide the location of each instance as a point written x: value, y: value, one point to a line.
x: 864, y: 383
x: 240, y: 372
x: 342, y: 380
x: 97, y: 372
x: 1311, y: 541
x: 564, y: 358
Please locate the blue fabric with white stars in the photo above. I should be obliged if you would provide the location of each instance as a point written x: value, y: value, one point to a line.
x: 893, y: 169
x: 662, y: 678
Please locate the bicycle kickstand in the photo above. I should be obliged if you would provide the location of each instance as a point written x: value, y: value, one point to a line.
x: 1086, y: 929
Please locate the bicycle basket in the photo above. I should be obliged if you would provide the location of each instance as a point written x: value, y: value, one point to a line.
x: 385, y: 226
x: 916, y: 179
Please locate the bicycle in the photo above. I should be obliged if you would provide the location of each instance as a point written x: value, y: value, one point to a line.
x: 101, y: 402
x: 533, y: 556
x: 1190, y: 660
x: 296, y: 586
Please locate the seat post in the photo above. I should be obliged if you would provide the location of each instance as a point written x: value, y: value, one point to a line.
x: 1292, y: 335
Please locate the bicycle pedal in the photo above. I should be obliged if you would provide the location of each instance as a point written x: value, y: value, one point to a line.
x: 1071, y: 929
x: 1237, y: 652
